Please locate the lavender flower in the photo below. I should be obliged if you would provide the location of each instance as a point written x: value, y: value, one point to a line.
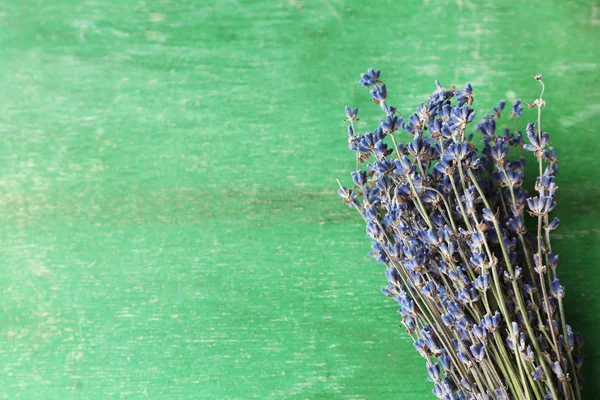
x: 449, y: 224
x: 498, y: 108
x: 370, y: 78
x: 517, y: 109
x: 465, y: 96
x: 379, y: 94
x: 351, y: 114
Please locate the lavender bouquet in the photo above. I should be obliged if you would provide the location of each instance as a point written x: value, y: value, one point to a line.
x: 478, y: 292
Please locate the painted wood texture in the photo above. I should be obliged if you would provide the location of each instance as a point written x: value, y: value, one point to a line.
x: 170, y: 228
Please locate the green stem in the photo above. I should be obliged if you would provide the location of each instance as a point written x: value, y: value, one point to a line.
x: 354, y: 131
x: 516, y: 289
x: 519, y: 362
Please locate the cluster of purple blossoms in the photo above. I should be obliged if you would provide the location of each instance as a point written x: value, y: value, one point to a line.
x: 478, y: 292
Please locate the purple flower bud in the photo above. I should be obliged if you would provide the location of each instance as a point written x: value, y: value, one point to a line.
x: 538, y: 143
x: 514, y: 329
x: 487, y: 126
x: 491, y: 323
x: 540, y: 206
x: 570, y: 336
x: 517, y: 108
x: 538, y: 374
x: 488, y: 215
x: 498, y: 109
x: 528, y: 354
x: 479, y: 260
x: 558, y: 371
x: 479, y: 332
x: 348, y: 195
x: 403, y: 166
x: 434, y: 372
x: 410, y: 323
x: 448, y: 319
x: 553, y: 225
x: 465, y: 96
x: 468, y: 296
x: 391, y: 124
x: 464, y: 358
x: 464, y: 383
x: 350, y: 134
x: 501, y: 394
x: 482, y: 282
x: 556, y: 289
x: 440, y: 95
x: 498, y: 151
x: 351, y: 114
x: 379, y: 94
x: 359, y: 177
x: 517, y: 272
x: 515, y: 224
x: 370, y: 78
x: 430, y: 290
x: 446, y: 361
x: 421, y: 348
x: 478, y: 351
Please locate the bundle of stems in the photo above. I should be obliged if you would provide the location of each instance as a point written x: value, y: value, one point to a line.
x: 478, y: 292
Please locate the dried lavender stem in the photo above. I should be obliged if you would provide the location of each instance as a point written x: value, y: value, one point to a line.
x: 499, y: 292
x: 423, y: 301
x: 420, y: 204
x: 501, y: 361
x: 542, y: 328
x: 569, y: 354
x: 486, y: 364
x: 412, y: 186
x: 515, y: 286
x: 462, y: 209
x: 462, y: 177
x: 523, y: 381
x: 540, y: 103
x: 353, y: 130
x: 505, y: 358
x: 503, y: 202
x: 521, y: 238
x: 447, y: 209
x: 507, y: 318
x: 420, y: 166
x: 543, y: 286
x: 536, y: 385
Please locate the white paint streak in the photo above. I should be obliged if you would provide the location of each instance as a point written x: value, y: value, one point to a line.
x: 156, y: 36
x: 480, y: 70
x: 119, y: 34
x: 580, y: 67
x: 333, y: 11
x: 297, y: 5
x: 594, y: 16
x: 156, y: 17
x: 581, y: 116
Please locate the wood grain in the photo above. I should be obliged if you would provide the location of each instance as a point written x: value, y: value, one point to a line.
x: 170, y: 228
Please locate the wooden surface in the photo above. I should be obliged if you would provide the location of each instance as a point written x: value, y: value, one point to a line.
x: 169, y: 222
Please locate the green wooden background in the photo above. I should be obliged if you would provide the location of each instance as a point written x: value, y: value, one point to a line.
x: 169, y: 223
